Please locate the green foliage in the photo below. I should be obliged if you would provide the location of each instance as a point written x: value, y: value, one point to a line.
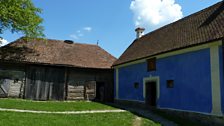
x: 20, y: 16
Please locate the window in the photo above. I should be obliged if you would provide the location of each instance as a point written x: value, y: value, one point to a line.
x: 151, y: 64
x: 136, y: 85
x: 170, y: 83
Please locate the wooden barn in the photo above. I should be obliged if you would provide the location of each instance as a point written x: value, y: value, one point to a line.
x: 41, y: 69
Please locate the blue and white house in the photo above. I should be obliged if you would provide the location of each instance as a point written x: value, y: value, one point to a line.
x: 178, y: 66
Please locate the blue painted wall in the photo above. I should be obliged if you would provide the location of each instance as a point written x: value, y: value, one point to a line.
x: 221, y: 77
x: 192, y: 81
x: 115, y: 83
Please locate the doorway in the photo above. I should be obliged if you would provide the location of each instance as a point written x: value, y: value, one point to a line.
x: 150, y: 96
x: 100, y: 91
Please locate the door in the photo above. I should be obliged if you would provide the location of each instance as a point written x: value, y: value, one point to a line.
x: 150, y: 98
x: 100, y: 91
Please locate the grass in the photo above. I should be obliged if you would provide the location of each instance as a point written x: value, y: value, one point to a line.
x: 106, y: 119
x: 52, y: 105
x: 27, y: 119
x: 94, y: 119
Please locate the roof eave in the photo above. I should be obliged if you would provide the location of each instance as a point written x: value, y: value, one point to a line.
x: 50, y: 64
x: 115, y: 65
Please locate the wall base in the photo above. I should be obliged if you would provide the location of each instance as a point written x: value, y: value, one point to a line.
x: 207, y: 120
x: 204, y: 119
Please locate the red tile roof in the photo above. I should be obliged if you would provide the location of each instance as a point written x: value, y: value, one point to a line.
x: 202, y: 27
x: 56, y: 52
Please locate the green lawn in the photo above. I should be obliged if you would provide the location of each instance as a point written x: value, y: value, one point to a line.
x: 27, y: 119
x: 94, y: 119
x: 106, y: 119
x: 52, y: 105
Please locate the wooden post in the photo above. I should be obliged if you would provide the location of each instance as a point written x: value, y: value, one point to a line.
x: 66, y: 84
x: 25, y: 83
x: 38, y: 90
x: 46, y: 89
x: 84, y: 92
x: 50, y: 90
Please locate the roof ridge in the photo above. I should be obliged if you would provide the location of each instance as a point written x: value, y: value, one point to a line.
x: 50, y: 39
x: 81, y: 43
x: 184, y: 18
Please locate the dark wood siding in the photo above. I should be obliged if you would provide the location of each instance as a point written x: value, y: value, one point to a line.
x: 44, y: 83
x: 80, y: 78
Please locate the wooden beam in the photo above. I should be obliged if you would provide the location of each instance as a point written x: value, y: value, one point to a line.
x: 66, y: 84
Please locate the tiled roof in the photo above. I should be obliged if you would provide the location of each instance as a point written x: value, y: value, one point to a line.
x: 56, y: 52
x: 202, y: 27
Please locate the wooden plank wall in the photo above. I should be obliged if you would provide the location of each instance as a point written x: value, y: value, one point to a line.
x: 44, y: 83
x: 81, y: 79
x: 12, y: 80
x: 82, y: 91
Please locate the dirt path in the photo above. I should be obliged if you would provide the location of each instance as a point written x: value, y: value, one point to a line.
x: 63, y: 112
x: 137, y: 121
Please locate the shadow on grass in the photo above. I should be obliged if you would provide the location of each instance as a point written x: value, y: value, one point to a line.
x: 167, y: 116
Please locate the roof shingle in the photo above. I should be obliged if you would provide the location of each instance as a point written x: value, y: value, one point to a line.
x: 56, y: 52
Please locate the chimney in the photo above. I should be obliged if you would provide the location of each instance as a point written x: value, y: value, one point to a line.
x: 139, y: 32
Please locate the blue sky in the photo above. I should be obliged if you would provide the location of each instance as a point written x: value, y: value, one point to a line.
x: 111, y: 22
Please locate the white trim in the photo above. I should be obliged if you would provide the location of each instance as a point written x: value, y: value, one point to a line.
x: 117, y: 83
x: 173, y: 53
x: 181, y: 110
x: 215, y: 78
x: 152, y: 79
x: 191, y: 49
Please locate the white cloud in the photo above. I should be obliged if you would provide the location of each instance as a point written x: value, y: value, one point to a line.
x: 73, y: 36
x: 89, y: 29
x: 155, y: 13
x: 80, y: 33
x: 3, y: 42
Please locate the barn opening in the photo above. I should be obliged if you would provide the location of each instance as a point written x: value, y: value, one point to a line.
x: 100, y: 91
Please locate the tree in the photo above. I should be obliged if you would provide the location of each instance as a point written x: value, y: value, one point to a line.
x: 20, y: 16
